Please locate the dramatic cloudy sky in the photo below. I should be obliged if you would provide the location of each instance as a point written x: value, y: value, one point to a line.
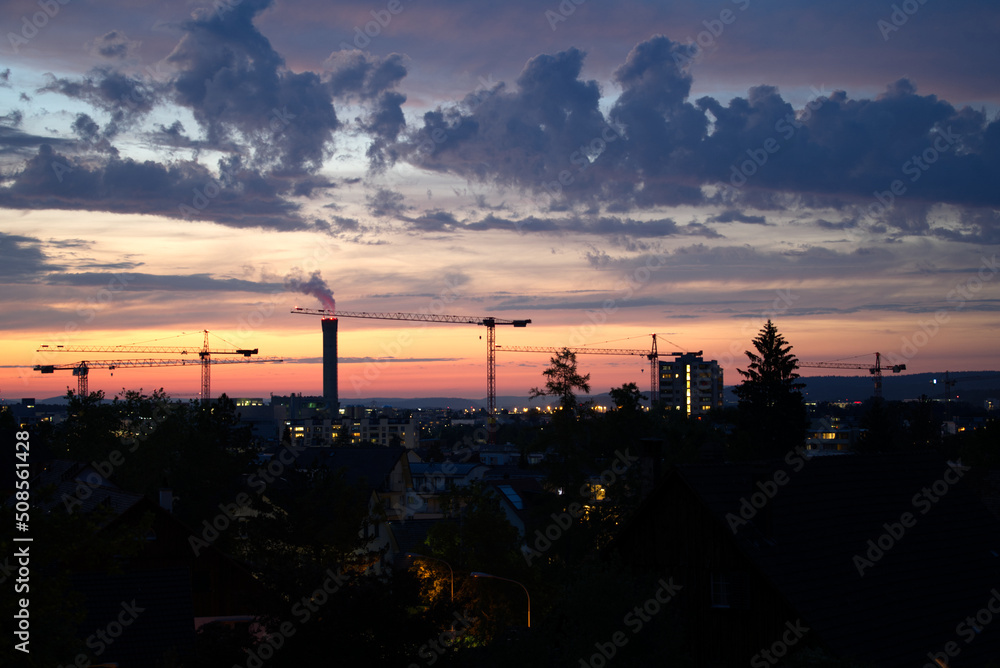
x: 608, y: 170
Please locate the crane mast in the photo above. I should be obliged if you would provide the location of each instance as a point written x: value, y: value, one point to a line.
x: 204, y: 354
x: 489, y: 322
x: 82, y: 369
x: 874, y: 369
x: 652, y: 355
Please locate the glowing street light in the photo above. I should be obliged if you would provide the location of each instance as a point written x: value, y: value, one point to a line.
x: 424, y: 556
x: 477, y: 574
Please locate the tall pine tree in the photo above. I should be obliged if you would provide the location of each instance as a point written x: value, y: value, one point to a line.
x: 772, y: 413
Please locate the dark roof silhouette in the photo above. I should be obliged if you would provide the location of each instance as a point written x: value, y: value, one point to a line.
x: 77, y: 487
x: 369, y: 467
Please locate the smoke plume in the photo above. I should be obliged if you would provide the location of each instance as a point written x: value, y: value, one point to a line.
x: 314, y: 285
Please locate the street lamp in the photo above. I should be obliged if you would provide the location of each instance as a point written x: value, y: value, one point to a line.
x: 477, y: 574
x: 424, y: 556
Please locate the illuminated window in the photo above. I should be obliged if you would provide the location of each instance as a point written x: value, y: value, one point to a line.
x: 596, y: 491
x: 688, y: 382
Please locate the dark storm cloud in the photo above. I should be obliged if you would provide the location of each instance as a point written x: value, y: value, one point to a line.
x: 978, y: 226
x: 85, y: 128
x: 70, y: 243
x: 609, y: 226
x: 523, y: 137
x: 354, y: 74
x: 434, y: 221
x: 132, y: 282
x: 21, y: 258
x: 656, y: 147
x: 734, y: 216
x: 13, y: 140
x: 12, y: 118
x: 174, y: 136
x: 384, y: 203
x: 125, y: 98
x: 238, y: 88
x: 181, y: 190
x: 845, y: 224
x: 114, y: 45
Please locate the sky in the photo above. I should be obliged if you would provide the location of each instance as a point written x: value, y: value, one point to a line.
x: 608, y: 170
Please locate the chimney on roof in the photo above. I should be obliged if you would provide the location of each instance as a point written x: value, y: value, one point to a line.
x: 167, y: 499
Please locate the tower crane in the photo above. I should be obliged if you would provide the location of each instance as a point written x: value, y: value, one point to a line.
x: 875, y: 370
x: 205, y: 354
x: 489, y: 322
x: 653, y: 355
x: 950, y: 381
x: 82, y: 369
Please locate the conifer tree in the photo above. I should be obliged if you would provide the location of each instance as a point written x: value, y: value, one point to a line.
x: 772, y: 412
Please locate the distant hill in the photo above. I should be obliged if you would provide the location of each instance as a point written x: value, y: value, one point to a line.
x: 972, y: 386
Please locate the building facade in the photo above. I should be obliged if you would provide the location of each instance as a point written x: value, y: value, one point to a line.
x: 690, y: 385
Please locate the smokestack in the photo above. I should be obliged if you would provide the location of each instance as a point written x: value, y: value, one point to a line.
x: 330, y: 364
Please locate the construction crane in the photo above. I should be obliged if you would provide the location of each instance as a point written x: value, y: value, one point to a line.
x: 652, y: 355
x: 875, y: 370
x: 949, y: 382
x: 82, y: 369
x: 489, y: 322
x: 205, y: 354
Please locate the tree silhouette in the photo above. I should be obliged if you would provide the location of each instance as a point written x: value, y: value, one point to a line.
x: 772, y: 413
x: 562, y: 381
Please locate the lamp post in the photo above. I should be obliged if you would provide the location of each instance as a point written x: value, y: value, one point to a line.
x: 450, y: 570
x: 477, y: 574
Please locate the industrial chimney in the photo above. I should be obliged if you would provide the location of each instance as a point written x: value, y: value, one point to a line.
x: 330, y: 364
